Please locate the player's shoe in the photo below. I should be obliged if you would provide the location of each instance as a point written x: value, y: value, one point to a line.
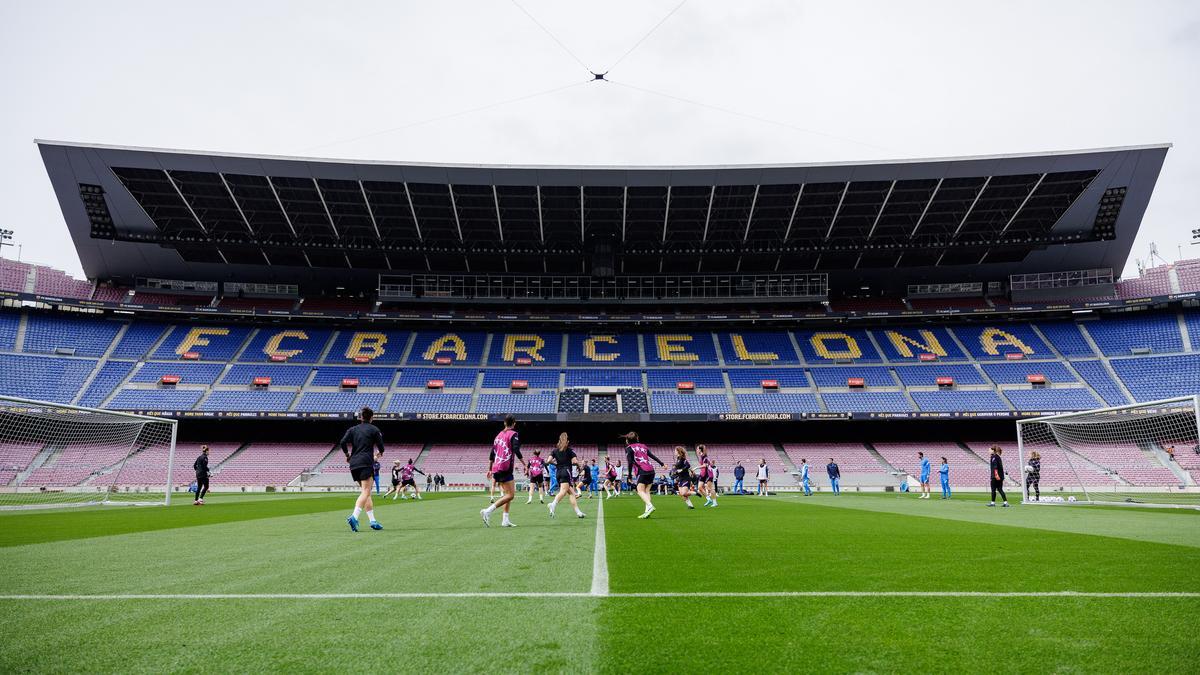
x: 552, y: 510
x: 713, y: 505
x: 991, y: 504
x: 649, y: 510
x: 195, y: 502
x: 581, y: 514
x: 376, y: 526
x: 508, y: 523
x: 1004, y: 505
x: 491, y: 500
x: 353, y: 523
x: 487, y: 517
x: 690, y: 505
x: 200, y: 502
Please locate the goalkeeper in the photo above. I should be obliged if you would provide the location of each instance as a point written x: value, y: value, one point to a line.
x: 201, y: 467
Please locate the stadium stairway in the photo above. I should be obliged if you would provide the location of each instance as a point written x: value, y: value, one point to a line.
x: 22, y: 324
x: 329, y: 456
x: 783, y: 457
x: 39, y: 460
x: 1159, y: 454
x: 87, y: 382
x: 215, y: 469
x: 879, y: 457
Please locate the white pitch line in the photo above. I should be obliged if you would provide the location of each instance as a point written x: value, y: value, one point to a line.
x: 520, y: 595
x: 600, y: 556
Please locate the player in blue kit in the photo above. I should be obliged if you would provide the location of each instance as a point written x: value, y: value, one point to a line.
x: 944, y: 473
x: 925, y: 470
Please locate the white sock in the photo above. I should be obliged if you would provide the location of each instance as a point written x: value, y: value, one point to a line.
x: 578, y: 512
x: 490, y: 508
x: 357, y: 511
x: 419, y: 496
x: 505, y: 519
x: 371, y: 515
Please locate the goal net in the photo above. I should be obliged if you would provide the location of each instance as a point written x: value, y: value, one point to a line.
x: 53, y: 454
x: 1144, y: 453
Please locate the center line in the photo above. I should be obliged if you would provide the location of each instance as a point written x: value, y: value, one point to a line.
x: 600, y: 556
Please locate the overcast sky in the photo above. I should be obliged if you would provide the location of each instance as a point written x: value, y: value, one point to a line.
x: 459, y: 81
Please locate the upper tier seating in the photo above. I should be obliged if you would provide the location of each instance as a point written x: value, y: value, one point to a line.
x: 927, y: 375
x: 703, y: 378
x: 544, y: 402
x: 1192, y: 321
x: 1188, y: 272
x: 454, y: 378
x: 253, y: 401
x: 299, y: 345
x: 602, y: 349
x: 138, y: 339
x: 43, y: 378
x: 9, y: 323
x: 1154, y: 377
x: 751, y: 378
x: 1066, y: 337
x: 367, y: 376
x: 1117, y: 336
x: 600, y: 377
x: 538, y: 378
x: 57, y: 283
x: 996, y: 341
x: 755, y: 347
x: 1154, y: 281
x: 109, y: 378
x: 1015, y: 373
x: 667, y: 348
x: 155, y: 399
x: 212, y: 343
x: 836, y: 345
x: 1052, y: 399
x: 46, y: 332
x: 430, y: 403
x: 13, y: 275
x: 542, y: 348
x: 281, y: 376
x: 908, y: 344
x: 1096, y: 375
x: 463, y: 348
x: 836, y: 376
x: 379, y: 347
x: 188, y: 372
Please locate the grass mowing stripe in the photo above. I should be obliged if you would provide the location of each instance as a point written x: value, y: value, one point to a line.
x: 517, y: 595
x: 600, y: 555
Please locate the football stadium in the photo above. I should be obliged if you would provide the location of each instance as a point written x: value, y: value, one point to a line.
x: 312, y: 414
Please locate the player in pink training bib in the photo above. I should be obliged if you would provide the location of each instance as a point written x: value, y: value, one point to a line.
x: 506, y: 450
x: 537, y: 477
x: 705, y: 477
x: 639, y: 458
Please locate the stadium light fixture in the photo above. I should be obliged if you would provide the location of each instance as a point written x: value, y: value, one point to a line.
x: 6, y: 238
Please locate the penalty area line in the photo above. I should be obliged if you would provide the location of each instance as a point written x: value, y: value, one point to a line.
x: 520, y: 595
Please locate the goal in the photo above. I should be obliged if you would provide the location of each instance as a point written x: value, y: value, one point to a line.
x: 52, y: 454
x: 1140, y: 454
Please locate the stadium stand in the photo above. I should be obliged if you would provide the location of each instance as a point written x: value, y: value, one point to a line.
x: 428, y: 403
x: 461, y: 347
x: 538, y: 378
x: 602, y: 349
x: 965, y: 466
x: 908, y: 344
x: 85, y: 337
x: 13, y: 275
x: 49, y: 281
x: 1152, y: 281
x: 139, y: 337
x: 188, y: 373
x: 155, y: 399
x: 855, y: 462
x: 1096, y: 376
x: 57, y: 379
x: 382, y: 347
x: 108, y: 378
x: 248, y: 401
x: 751, y: 378
x: 298, y: 345
x: 1188, y: 272
x: 958, y: 400
x: 836, y: 346
x: 598, y: 377
x: 1065, y: 337
x: 281, y: 376
x: 693, y: 349
x: 517, y: 403
x: 210, y: 343
x: 367, y: 376
x: 9, y: 324
x: 997, y: 341
x: 542, y: 348
x: 866, y: 401
x: 454, y: 378
x: 672, y: 403
x: 703, y: 378
x: 772, y: 403
x: 1062, y: 398
x: 1016, y: 373
x: 75, y: 464
x: 270, y: 463
x: 633, y: 401
x: 1119, y: 336
x: 337, y: 401
x: 751, y: 348
x: 837, y: 376
x: 1155, y: 377
x: 926, y: 376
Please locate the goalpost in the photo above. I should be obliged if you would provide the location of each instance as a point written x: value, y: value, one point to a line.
x: 1115, y: 455
x: 53, y: 454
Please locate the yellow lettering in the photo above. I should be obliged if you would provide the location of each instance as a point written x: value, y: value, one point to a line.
x: 669, y: 351
x: 589, y: 348
x: 447, y: 343
x: 272, y: 346
x: 739, y: 348
x: 532, y: 348
x: 196, y: 338
x: 850, y: 351
x: 904, y: 344
x: 992, y: 338
x: 369, y: 345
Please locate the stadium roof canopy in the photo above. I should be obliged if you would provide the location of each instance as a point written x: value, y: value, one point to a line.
x: 198, y: 215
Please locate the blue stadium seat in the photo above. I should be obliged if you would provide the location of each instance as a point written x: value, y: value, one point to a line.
x: 138, y: 339
x: 866, y: 401
x: 907, y: 344
x: 1052, y: 399
x: 111, y: 374
x: 1150, y: 378
x: 463, y: 348
x: 248, y: 401
x: 517, y: 403
x: 1096, y: 375
x: 9, y: 324
x: 746, y: 348
x: 454, y: 378
x: 1015, y: 372
x: 777, y: 403
x: 602, y: 349
x: 682, y: 404
x: 1066, y: 337
x: 833, y: 345
x: 926, y: 376
x: 836, y: 376
x: 382, y: 347
x: 633, y: 401
x: 212, y: 343
x: 430, y: 403
x: 338, y: 401
x: 281, y: 376
x: 368, y: 376
x: 995, y: 341
x: 691, y: 348
x: 572, y: 400
x: 751, y: 378
x: 1192, y: 321
x: 667, y: 378
x: 189, y: 373
x: 88, y: 337
x: 958, y: 400
x: 1116, y: 336
x: 300, y: 345
x: 542, y: 348
x: 538, y: 378
x: 604, y: 377
x: 155, y: 399
x: 43, y: 378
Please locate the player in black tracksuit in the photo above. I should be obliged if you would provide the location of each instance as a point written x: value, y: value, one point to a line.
x: 997, y: 468
x: 364, y: 438
x: 201, y: 467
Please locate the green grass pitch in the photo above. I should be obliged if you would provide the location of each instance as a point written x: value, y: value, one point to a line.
x: 252, y: 547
